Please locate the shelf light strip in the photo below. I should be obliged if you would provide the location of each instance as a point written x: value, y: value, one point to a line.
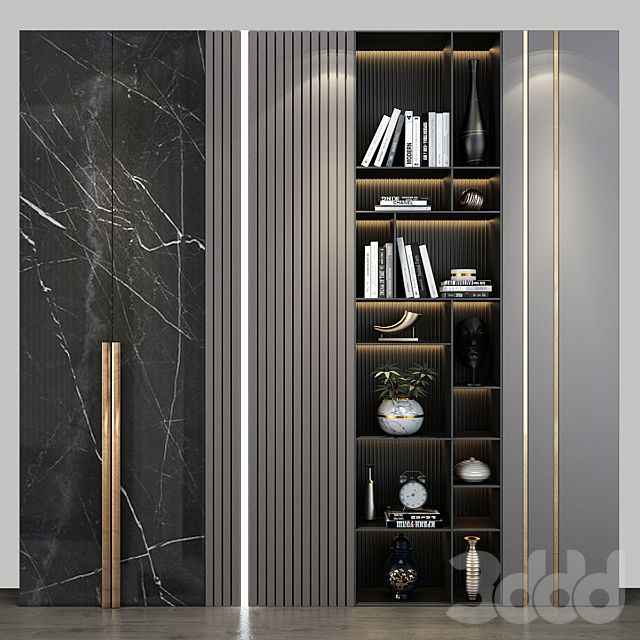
x: 244, y: 306
x: 556, y: 315
x: 525, y: 317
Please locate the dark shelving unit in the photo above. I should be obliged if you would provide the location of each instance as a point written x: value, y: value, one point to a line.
x: 428, y: 71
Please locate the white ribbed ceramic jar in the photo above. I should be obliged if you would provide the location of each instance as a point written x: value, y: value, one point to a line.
x: 472, y: 470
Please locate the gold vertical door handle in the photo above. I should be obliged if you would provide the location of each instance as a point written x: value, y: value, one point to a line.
x: 111, y: 405
x: 115, y: 475
x: 106, y: 475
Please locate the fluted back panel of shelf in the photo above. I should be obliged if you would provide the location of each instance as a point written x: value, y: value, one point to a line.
x: 486, y: 450
x: 432, y: 326
x: 489, y: 187
x: 431, y: 550
x: 431, y: 457
x: 369, y: 191
x: 488, y: 372
x: 476, y: 502
x: 436, y: 406
x: 408, y: 80
x: 487, y: 81
x: 489, y: 542
x: 454, y: 244
x: 476, y: 410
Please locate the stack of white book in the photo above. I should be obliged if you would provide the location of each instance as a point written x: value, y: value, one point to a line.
x: 464, y: 284
x: 404, y: 203
x: 426, y: 140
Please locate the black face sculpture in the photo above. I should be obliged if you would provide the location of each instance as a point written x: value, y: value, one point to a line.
x: 471, y: 342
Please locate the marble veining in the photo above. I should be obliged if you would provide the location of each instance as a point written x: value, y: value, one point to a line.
x: 112, y: 247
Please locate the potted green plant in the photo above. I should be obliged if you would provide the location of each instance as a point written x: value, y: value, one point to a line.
x: 400, y: 412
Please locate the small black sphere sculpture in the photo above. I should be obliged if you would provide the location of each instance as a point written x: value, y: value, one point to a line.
x: 471, y: 199
x: 471, y: 344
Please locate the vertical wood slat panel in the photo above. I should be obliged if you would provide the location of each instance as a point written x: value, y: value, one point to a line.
x: 223, y: 333
x: 287, y: 268
x: 298, y: 497
x: 306, y: 308
x: 302, y: 351
x: 234, y: 226
x: 314, y: 245
x: 349, y: 325
x: 254, y: 327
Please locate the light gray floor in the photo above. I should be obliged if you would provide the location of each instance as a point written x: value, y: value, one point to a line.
x: 370, y: 623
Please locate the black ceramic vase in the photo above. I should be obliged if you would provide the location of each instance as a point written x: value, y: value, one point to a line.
x: 401, y: 571
x: 473, y: 135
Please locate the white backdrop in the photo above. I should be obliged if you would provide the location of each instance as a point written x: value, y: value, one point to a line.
x: 325, y: 14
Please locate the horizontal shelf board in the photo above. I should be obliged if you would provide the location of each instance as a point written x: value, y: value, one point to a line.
x: 378, y: 525
x: 460, y: 597
x: 428, y: 435
x: 475, y: 485
x: 376, y: 216
x: 458, y: 387
x: 403, y: 172
x: 474, y: 523
x: 427, y: 299
x: 475, y: 40
x: 403, y: 344
x: 477, y: 173
x: 481, y: 172
x: 422, y: 596
x: 403, y: 40
x: 476, y: 435
x: 480, y: 216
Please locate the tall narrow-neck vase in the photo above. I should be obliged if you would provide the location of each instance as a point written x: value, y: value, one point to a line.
x: 370, y: 498
x: 472, y: 568
x: 473, y: 135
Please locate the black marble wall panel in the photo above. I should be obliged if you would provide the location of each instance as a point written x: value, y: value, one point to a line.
x: 65, y: 309
x: 112, y: 248
x: 159, y: 310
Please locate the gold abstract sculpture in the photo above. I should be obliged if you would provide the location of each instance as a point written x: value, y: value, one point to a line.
x: 407, y: 321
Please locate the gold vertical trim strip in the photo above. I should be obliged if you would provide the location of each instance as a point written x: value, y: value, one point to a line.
x: 556, y: 315
x: 106, y: 475
x: 525, y: 317
x: 115, y: 475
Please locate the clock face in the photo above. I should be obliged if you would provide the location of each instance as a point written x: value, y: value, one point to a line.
x: 413, y: 494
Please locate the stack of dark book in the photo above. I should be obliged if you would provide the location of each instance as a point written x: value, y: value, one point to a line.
x: 463, y: 284
x: 399, y: 518
x: 378, y: 270
x: 410, y: 204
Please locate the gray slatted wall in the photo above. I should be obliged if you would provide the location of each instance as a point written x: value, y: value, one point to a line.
x: 223, y: 321
x: 302, y: 321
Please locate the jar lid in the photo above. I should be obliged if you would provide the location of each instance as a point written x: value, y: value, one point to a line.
x: 463, y: 272
x: 401, y: 543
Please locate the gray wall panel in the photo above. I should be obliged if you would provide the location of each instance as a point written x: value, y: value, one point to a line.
x: 589, y: 295
x: 223, y: 328
x: 512, y: 294
x: 302, y: 351
x: 541, y: 296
